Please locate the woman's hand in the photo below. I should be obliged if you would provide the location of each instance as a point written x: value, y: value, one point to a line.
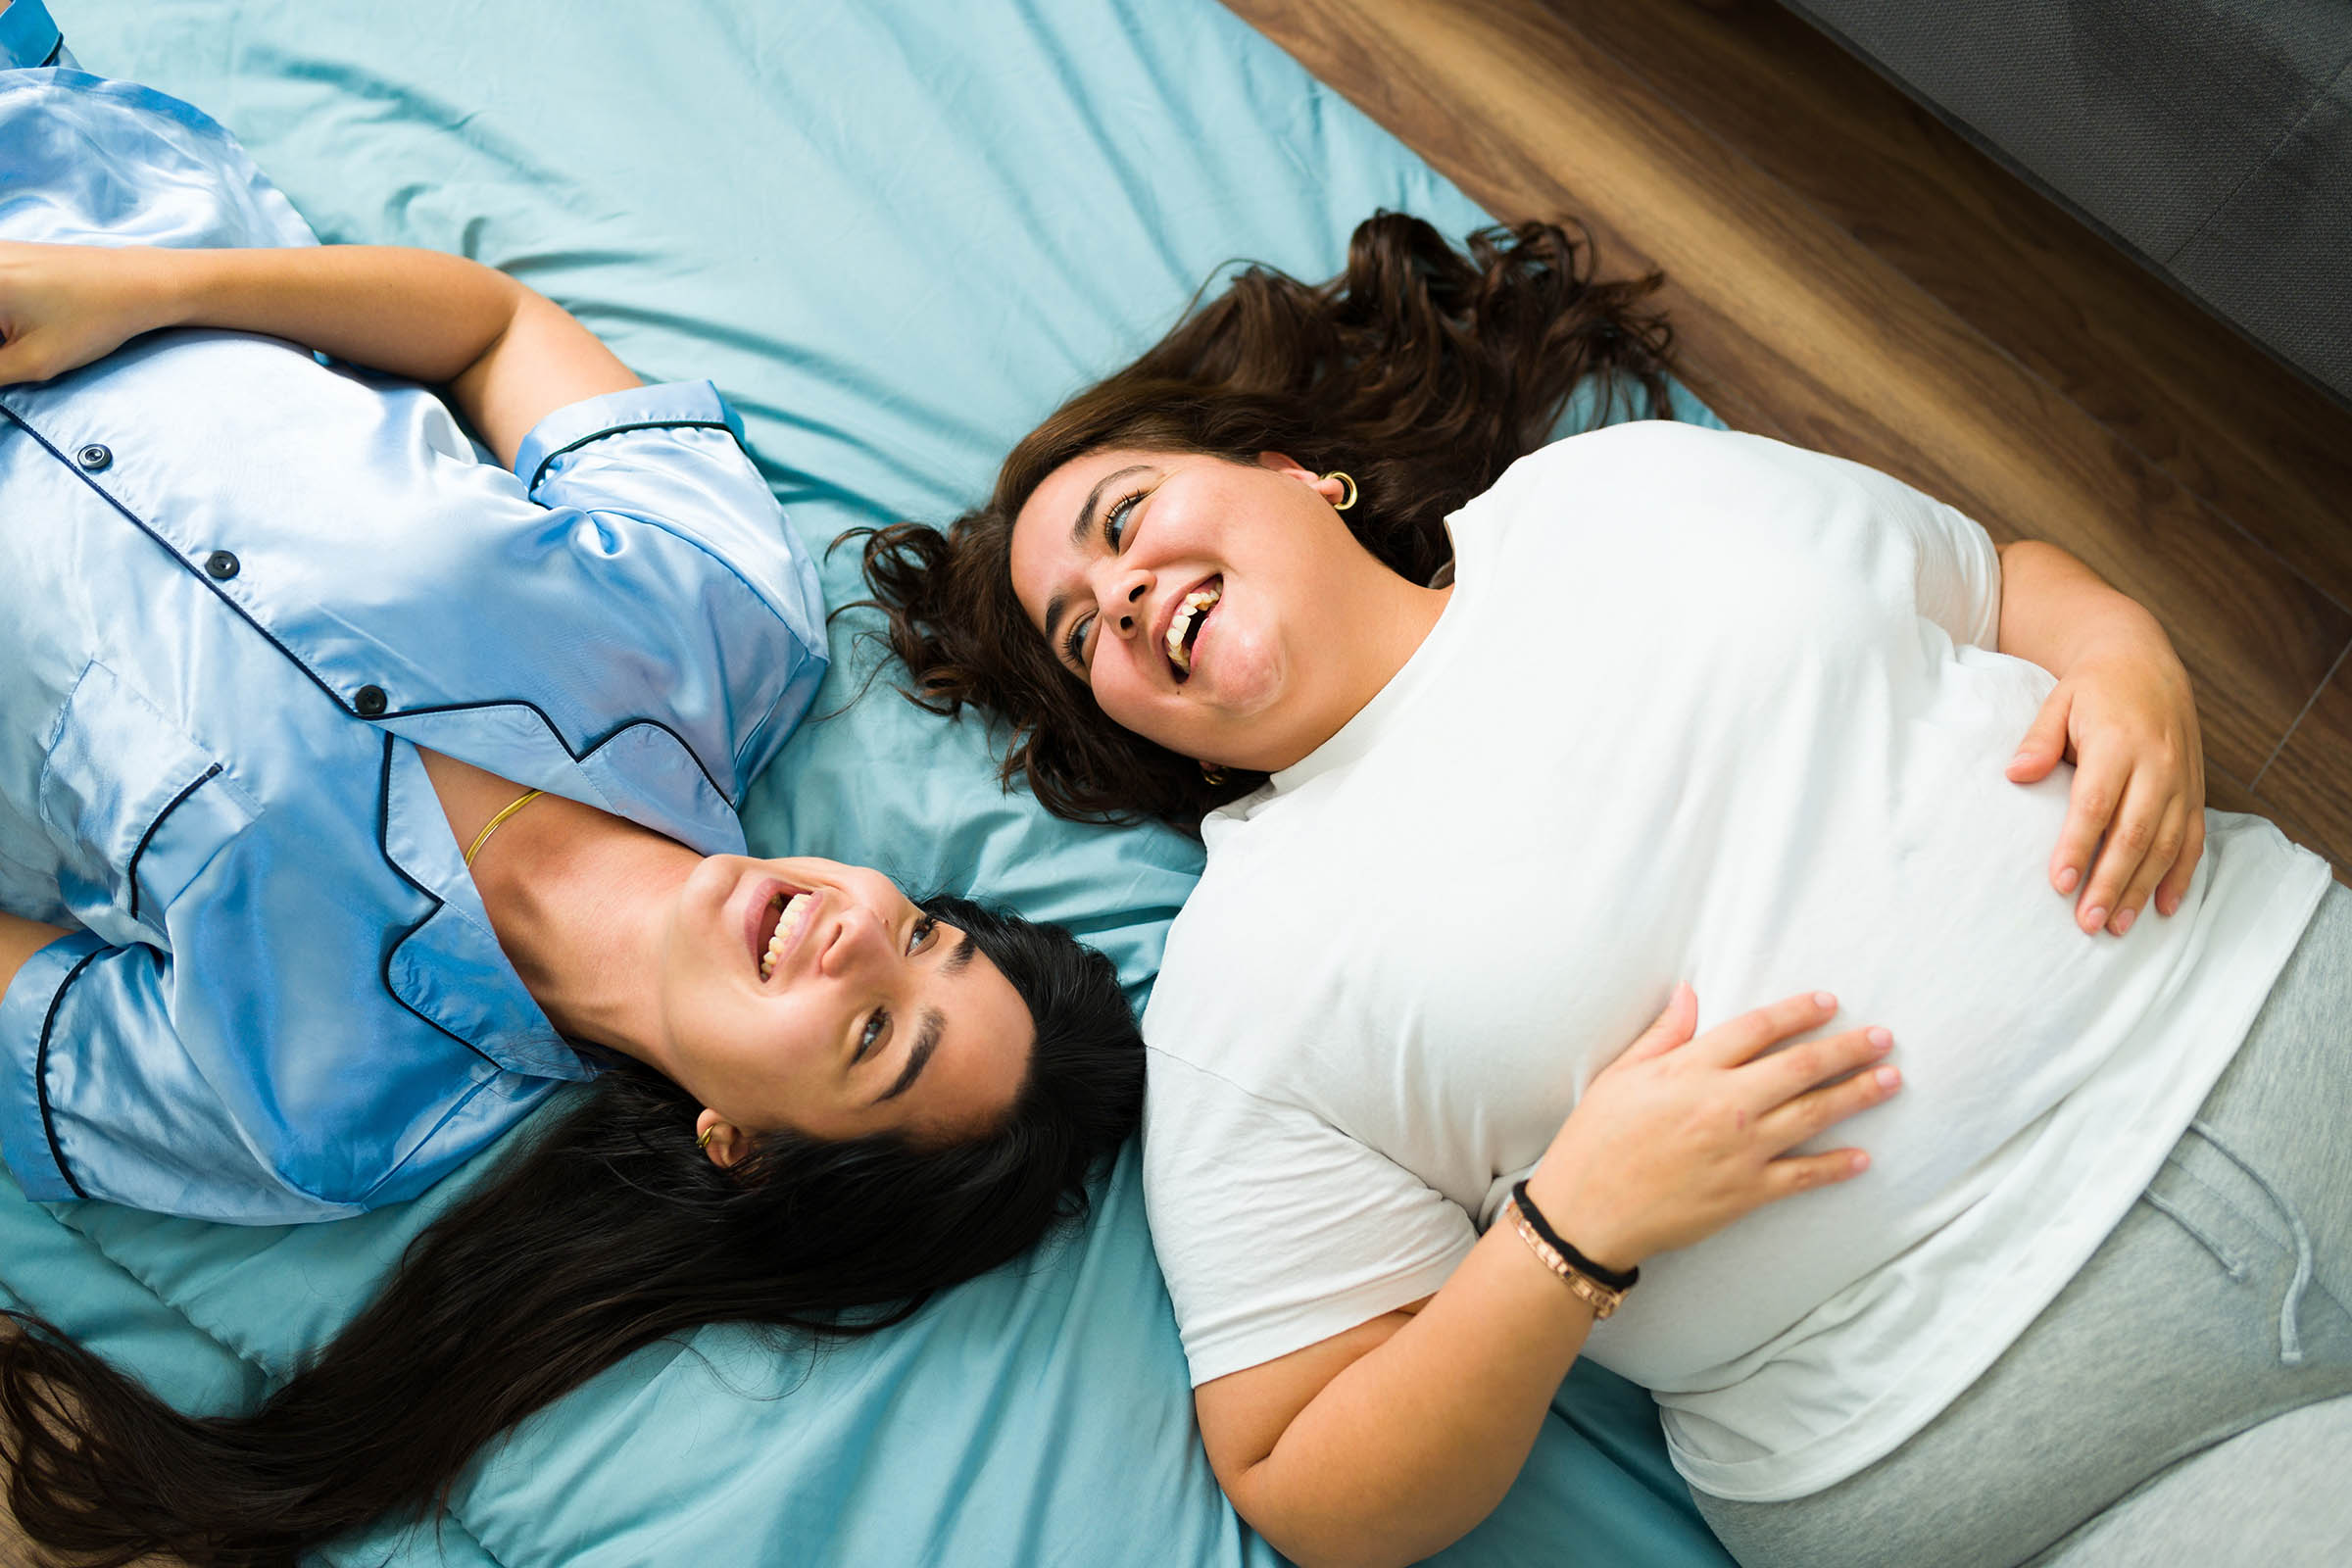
x: 64, y: 305
x: 1677, y: 1137
x: 1388, y: 1442
x: 2125, y: 717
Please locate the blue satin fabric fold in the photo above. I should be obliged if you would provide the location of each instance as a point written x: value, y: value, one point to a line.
x: 29, y: 37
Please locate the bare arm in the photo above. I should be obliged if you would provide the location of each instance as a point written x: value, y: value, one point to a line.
x: 20, y: 940
x: 1389, y: 1442
x: 2124, y: 713
x: 2055, y: 610
x: 1393, y: 1440
x: 508, y: 356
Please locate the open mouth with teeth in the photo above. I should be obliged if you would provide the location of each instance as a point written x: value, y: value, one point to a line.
x: 1191, y: 616
x: 778, y: 924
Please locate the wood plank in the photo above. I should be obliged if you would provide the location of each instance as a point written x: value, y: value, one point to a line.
x: 1782, y: 309
x: 2310, y: 780
x: 2225, y: 794
x: 2232, y: 425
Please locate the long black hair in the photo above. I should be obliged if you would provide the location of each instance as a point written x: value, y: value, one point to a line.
x: 610, y: 1232
x: 1422, y: 370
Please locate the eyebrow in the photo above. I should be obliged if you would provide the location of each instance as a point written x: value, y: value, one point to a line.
x: 1086, y: 512
x: 926, y: 1040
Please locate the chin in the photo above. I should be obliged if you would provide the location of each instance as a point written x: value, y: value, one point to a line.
x: 1244, y: 717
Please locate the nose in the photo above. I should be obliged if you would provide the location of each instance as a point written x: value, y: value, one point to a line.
x: 859, y: 940
x: 1123, y: 601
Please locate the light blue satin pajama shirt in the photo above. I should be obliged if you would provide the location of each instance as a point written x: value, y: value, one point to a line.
x: 238, y: 589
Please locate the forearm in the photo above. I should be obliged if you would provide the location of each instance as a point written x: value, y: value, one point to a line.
x: 1386, y: 1442
x: 505, y: 354
x: 2056, y: 612
x: 418, y: 313
x: 1414, y: 1444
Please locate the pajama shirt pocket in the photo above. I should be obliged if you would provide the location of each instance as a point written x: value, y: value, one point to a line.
x: 136, y: 805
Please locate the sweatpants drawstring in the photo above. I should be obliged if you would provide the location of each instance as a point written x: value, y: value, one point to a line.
x: 2231, y: 1264
x: 2290, y: 1338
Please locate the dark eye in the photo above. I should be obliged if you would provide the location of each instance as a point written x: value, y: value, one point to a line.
x: 875, y: 1028
x: 920, y: 938
x: 1115, y: 520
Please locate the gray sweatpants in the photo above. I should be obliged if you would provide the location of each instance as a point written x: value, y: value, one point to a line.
x: 2187, y: 1397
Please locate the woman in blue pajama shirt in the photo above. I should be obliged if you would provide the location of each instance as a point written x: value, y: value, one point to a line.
x: 347, y: 782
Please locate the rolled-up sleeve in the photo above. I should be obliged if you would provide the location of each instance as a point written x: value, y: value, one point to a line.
x: 667, y: 406
x: 104, y: 1101
x: 28, y: 36
x: 671, y: 457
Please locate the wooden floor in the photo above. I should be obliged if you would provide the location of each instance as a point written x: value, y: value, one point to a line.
x: 1846, y: 272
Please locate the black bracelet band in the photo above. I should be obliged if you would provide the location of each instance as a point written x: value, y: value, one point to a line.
x: 1610, y: 1277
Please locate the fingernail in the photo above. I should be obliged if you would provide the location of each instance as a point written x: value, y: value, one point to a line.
x: 1860, y: 1161
x: 2067, y: 878
x: 1889, y: 1077
x: 2020, y: 757
x: 1822, y: 998
x: 2123, y: 922
x: 2094, y: 918
x: 1881, y: 1038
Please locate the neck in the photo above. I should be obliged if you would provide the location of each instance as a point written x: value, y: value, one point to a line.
x: 1408, y: 614
x: 1391, y: 622
x: 580, y: 900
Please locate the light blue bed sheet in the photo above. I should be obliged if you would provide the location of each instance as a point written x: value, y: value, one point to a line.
x: 895, y: 236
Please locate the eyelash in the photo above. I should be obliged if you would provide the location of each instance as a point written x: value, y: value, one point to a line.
x: 878, y: 1022
x: 1114, y: 538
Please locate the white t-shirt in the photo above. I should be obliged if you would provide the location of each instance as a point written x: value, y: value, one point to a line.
x: 1702, y: 706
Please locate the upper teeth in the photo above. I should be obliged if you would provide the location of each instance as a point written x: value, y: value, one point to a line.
x: 1199, y: 600
x: 794, y: 907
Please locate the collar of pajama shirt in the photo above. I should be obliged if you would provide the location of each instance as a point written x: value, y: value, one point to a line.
x: 243, y: 587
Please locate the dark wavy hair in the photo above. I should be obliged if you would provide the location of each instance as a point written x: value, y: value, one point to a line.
x: 610, y: 1232
x: 1422, y: 370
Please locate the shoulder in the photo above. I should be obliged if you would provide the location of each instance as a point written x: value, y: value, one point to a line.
x: 1232, y: 957
x: 1657, y: 455
x: 1580, y: 472
x: 671, y: 457
x: 1614, y: 479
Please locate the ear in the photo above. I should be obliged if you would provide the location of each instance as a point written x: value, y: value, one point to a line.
x: 1282, y: 462
x: 726, y: 1143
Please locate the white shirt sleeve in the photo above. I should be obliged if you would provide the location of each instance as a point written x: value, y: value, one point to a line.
x: 1958, y: 580
x: 1277, y: 1230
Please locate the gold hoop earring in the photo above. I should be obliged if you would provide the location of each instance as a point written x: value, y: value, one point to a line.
x: 1343, y: 506
x: 1212, y: 775
x: 704, y: 1142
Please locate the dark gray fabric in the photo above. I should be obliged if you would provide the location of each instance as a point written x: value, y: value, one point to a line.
x: 2211, y: 137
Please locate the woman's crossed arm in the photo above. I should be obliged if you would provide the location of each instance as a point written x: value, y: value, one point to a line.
x: 1389, y: 1442
x: 508, y: 355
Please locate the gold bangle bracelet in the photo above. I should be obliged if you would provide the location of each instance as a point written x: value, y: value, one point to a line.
x: 1586, y: 1289
x: 492, y: 826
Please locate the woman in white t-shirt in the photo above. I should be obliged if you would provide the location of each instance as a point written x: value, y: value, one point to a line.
x: 1495, y: 757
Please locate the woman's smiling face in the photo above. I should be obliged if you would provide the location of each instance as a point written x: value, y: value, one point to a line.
x: 811, y: 995
x: 1218, y: 608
